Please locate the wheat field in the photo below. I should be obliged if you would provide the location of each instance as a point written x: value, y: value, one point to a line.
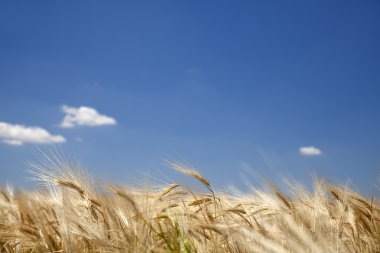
x: 68, y: 212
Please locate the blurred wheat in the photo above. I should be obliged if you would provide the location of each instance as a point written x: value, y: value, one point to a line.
x: 70, y: 214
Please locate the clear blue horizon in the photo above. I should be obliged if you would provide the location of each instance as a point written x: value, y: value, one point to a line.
x: 234, y: 89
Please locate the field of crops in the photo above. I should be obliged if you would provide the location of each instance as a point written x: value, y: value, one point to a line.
x: 69, y: 213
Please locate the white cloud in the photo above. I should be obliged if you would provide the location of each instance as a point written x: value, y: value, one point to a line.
x: 84, y: 116
x: 17, y: 135
x: 310, y: 151
x: 79, y: 139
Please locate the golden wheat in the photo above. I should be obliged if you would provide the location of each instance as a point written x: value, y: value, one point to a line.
x: 70, y: 214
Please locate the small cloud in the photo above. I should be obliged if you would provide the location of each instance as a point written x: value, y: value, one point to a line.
x: 16, y: 135
x: 79, y: 139
x: 13, y: 142
x: 310, y: 151
x: 84, y: 116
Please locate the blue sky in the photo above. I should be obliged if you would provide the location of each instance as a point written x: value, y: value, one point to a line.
x: 234, y: 88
